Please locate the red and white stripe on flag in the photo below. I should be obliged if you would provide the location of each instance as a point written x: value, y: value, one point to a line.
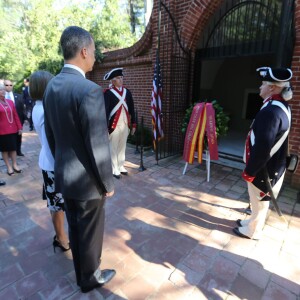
x: 156, y: 103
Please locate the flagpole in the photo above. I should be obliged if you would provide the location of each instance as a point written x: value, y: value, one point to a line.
x: 157, y: 94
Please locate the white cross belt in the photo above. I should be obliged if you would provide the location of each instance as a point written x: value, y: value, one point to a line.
x: 120, y: 103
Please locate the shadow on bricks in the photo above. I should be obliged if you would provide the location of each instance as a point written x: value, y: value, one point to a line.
x: 214, y: 273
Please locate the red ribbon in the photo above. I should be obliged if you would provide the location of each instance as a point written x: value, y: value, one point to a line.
x: 211, y: 132
x: 202, y: 122
x: 192, y: 133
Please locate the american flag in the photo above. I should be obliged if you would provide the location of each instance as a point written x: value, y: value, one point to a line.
x: 156, y: 103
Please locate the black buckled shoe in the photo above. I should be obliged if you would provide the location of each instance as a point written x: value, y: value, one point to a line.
x: 117, y: 176
x: 99, y: 279
x: 238, y: 222
x: 238, y: 233
x: 248, y: 210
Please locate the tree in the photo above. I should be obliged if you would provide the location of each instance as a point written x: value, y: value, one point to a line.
x: 30, y: 32
x: 136, y: 10
x: 111, y: 28
x: 11, y: 49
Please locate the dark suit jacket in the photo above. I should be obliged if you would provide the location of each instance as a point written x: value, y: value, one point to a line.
x: 19, y: 105
x: 27, y: 99
x: 76, y: 129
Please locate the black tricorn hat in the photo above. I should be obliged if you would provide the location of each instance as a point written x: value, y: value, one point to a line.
x: 113, y: 73
x: 275, y: 74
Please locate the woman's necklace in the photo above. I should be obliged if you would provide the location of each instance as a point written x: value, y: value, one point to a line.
x: 10, y: 120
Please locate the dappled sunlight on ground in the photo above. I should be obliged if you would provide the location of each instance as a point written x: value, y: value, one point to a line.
x: 168, y: 235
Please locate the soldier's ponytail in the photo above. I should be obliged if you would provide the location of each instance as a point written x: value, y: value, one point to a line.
x: 287, y: 93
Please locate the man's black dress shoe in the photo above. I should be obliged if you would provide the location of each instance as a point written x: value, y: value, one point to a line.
x: 2, y: 182
x: 20, y: 154
x: 238, y: 221
x: 124, y: 173
x: 237, y: 232
x: 99, y: 279
x: 117, y: 176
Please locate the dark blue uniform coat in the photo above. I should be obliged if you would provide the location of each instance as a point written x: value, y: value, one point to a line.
x: 270, y: 123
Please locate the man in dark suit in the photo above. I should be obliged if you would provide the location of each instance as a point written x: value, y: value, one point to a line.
x: 28, y: 103
x: 19, y: 105
x: 76, y: 129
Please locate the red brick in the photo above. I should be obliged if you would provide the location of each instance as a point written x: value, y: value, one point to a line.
x: 10, y: 275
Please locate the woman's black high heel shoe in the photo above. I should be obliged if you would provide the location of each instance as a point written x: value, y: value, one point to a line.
x: 56, y: 243
x: 17, y: 171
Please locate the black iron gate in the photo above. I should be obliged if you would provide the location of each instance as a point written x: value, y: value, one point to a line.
x: 175, y: 69
x: 243, y: 28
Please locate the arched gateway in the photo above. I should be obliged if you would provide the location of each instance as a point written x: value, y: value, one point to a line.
x: 210, y: 50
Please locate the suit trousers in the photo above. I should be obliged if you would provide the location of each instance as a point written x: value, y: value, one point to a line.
x: 29, y: 116
x: 19, y: 143
x: 86, y: 229
x: 117, y: 143
x: 253, y: 226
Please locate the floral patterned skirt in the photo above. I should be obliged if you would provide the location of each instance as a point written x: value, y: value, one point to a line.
x: 55, y: 201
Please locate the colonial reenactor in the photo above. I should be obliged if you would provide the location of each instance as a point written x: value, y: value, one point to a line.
x: 266, y: 148
x: 120, y: 117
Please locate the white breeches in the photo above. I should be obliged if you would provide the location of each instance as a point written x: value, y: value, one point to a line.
x: 117, y: 141
x: 253, y: 226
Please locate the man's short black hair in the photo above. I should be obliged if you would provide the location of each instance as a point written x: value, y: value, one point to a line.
x: 73, y: 39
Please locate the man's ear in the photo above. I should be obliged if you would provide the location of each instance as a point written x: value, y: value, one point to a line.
x: 83, y: 52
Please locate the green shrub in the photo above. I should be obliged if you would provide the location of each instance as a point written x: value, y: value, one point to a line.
x: 221, y: 117
x: 147, y: 138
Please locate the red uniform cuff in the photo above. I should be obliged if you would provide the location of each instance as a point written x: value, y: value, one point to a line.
x: 133, y: 125
x: 247, y: 177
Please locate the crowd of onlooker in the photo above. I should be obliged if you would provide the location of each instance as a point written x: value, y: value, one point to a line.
x: 15, y: 110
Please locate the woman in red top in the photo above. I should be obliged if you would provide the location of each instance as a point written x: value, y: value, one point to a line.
x: 10, y: 127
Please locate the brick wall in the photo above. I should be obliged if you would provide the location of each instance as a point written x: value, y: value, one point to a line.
x: 138, y: 72
x: 294, y: 137
x: 191, y: 17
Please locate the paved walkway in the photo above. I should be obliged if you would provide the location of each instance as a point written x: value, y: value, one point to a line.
x: 167, y: 235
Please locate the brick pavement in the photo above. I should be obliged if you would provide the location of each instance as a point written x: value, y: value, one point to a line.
x: 167, y: 235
